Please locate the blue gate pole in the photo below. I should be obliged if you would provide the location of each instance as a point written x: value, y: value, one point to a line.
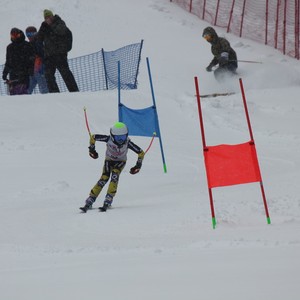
x: 119, y: 91
x: 104, y: 66
x: 157, y: 123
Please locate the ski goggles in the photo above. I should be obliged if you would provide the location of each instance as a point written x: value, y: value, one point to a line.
x: 120, y: 138
x: 30, y: 34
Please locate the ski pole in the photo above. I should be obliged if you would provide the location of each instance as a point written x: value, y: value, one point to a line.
x: 154, y: 134
x: 250, y: 61
x: 86, y: 122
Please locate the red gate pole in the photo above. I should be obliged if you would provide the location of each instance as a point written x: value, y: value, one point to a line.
x: 203, y: 12
x: 200, y: 114
x: 277, y: 24
x: 242, y: 21
x: 252, y: 141
x: 246, y: 110
x: 267, y: 22
x: 217, y: 12
x: 296, y: 31
x: 205, y: 149
x: 284, y: 26
x: 230, y: 16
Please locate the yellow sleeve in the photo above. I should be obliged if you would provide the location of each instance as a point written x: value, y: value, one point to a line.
x: 141, y: 157
x: 92, y: 139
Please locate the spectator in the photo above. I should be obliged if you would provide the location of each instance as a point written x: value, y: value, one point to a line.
x: 57, y: 40
x: 38, y: 77
x: 224, y: 56
x: 18, y: 64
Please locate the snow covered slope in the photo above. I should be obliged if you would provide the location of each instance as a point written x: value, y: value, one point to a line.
x: 157, y: 242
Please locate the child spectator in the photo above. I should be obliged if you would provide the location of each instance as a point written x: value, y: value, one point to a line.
x: 38, y: 77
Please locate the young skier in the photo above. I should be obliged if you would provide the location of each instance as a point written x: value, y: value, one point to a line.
x: 117, y: 145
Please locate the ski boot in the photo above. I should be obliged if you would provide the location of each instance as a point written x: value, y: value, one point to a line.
x: 88, y: 204
x: 85, y: 208
x: 104, y: 207
x: 107, y: 203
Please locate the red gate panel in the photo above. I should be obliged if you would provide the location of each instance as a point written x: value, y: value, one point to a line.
x: 231, y: 164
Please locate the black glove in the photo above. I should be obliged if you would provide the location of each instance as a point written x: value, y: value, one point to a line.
x: 209, y: 68
x: 135, y: 169
x: 93, y: 153
x: 4, y: 77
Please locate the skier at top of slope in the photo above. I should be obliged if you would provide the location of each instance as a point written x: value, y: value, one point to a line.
x: 224, y: 55
x: 117, y: 145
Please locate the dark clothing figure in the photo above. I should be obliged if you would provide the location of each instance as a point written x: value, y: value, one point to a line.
x: 224, y: 56
x: 57, y: 39
x: 38, y: 77
x: 19, y: 63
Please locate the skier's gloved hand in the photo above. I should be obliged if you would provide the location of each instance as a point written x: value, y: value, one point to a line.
x: 136, y: 168
x: 92, y: 152
x: 209, y: 68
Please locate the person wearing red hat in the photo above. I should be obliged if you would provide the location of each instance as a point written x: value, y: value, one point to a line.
x: 19, y: 63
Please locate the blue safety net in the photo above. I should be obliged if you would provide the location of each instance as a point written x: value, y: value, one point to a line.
x: 129, y: 58
x: 99, y: 71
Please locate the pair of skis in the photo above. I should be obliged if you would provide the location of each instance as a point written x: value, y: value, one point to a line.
x: 101, y: 209
x: 217, y: 95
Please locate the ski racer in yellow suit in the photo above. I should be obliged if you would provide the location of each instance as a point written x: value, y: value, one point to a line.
x: 117, y: 145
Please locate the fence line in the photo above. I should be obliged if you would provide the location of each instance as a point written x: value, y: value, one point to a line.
x: 272, y: 22
x: 99, y: 71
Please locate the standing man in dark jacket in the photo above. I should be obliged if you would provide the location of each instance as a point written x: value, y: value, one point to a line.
x: 224, y: 55
x: 19, y: 63
x: 57, y: 40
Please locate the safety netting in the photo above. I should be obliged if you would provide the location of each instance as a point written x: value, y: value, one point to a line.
x: 271, y: 22
x: 99, y: 71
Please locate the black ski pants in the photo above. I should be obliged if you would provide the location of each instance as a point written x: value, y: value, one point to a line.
x: 59, y: 62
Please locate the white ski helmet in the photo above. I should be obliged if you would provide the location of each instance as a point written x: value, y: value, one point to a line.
x: 119, y: 133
